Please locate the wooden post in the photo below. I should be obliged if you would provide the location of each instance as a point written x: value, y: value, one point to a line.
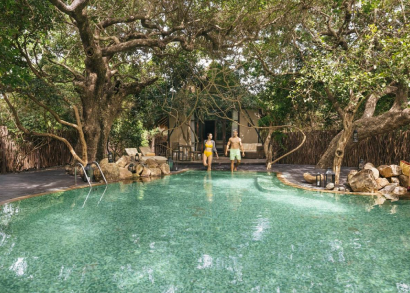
x: 3, y: 133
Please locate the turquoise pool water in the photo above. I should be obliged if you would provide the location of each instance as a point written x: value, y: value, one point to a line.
x: 201, y: 232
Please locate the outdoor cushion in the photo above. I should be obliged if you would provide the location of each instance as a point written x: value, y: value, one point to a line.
x: 405, y: 167
x: 131, y: 152
x: 159, y: 159
x: 146, y: 150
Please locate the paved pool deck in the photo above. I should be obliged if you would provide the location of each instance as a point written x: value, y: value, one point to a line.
x: 55, y: 179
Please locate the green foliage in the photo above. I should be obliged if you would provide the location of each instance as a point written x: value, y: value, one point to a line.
x: 365, y: 60
x: 275, y: 102
x: 127, y: 131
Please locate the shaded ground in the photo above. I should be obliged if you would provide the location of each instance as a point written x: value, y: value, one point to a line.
x: 34, y: 182
x: 44, y: 181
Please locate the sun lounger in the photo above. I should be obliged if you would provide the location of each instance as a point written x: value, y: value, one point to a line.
x: 145, y: 154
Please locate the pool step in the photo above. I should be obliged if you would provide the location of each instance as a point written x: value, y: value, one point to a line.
x: 267, y: 185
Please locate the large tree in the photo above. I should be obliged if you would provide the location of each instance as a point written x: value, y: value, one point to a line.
x: 96, y: 54
x: 351, y: 55
x: 359, y: 55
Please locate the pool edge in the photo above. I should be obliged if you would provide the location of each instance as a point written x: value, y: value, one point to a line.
x: 72, y: 188
x: 283, y: 179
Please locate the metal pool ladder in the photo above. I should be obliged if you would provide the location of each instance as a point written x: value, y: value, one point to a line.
x: 85, y: 173
x: 102, y: 173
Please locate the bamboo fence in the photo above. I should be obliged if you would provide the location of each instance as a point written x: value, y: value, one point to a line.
x: 388, y: 148
x: 16, y: 158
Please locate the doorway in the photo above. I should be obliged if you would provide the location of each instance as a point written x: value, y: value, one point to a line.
x: 209, y: 127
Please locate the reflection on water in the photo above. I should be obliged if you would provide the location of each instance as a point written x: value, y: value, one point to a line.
x: 203, y: 232
x: 208, y: 186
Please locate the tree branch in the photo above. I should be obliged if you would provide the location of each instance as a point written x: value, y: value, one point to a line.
x: 76, y: 5
x: 53, y: 113
x: 371, y: 102
x: 111, y: 21
x: 78, y: 76
x: 27, y: 132
x: 334, y: 102
x: 136, y: 87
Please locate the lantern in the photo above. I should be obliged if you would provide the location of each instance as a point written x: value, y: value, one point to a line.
x: 89, y: 171
x: 355, y: 136
x: 329, y: 177
x: 170, y: 163
x: 131, y: 168
x: 110, y: 157
x: 318, y: 179
x: 361, y: 164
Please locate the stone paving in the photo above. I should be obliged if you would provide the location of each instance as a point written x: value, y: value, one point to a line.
x: 54, y: 179
x: 34, y: 182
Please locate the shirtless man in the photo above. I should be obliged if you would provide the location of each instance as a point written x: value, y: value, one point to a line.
x: 235, y: 145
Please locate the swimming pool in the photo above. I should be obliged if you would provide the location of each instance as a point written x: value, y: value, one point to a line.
x: 203, y: 232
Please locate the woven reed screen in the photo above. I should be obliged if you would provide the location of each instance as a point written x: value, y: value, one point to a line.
x: 15, y: 158
x: 388, y: 148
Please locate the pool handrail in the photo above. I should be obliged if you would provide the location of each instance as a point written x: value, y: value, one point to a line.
x: 99, y: 168
x: 85, y: 174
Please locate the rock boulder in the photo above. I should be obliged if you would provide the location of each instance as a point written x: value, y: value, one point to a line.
x: 400, y: 190
x: 404, y: 180
x: 138, y: 169
x: 110, y: 170
x: 389, y: 171
x: 151, y: 163
x: 165, y: 169
x: 123, y: 161
x: 155, y: 172
x: 312, y: 178
x: 382, y: 182
x: 347, y: 187
x: 394, y: 180
x: 125, y: 174
x: 363, y: 181
x: 388, y: 188
x: 146, y: 172
x: 351, y: 174
x: 396, y: 170
x: 376, y: 173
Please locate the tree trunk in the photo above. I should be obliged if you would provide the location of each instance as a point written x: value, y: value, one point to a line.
x: 97, y: 126
x: 153, y: 144
x: 367, y: 127
x: 267, y: 147
x: 342, y: 142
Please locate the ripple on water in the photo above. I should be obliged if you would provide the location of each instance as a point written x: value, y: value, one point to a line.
x: 204, y: 232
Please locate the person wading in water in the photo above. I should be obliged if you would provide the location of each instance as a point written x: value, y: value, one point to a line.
x: 209, y: 149
x: 235, y: 147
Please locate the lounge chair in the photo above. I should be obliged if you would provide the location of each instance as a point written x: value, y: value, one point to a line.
x: 144, y: 154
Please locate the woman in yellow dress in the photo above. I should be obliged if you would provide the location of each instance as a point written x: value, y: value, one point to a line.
x: 209, y: 149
